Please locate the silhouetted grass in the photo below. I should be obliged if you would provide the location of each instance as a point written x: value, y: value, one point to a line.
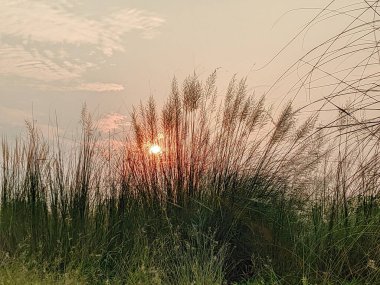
x: 230, y: 197
x: 236, y: 195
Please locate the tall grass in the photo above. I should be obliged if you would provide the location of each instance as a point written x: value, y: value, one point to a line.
x: 209, y: 147
x: 238, y: 193
x: 340, y: 78
x: 223, y: 169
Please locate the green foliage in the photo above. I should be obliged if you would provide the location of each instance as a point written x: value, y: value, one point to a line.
x: 232, y: 198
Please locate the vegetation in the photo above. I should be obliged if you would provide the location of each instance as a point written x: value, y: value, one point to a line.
x: 231, y: 197
x: 237, y: 194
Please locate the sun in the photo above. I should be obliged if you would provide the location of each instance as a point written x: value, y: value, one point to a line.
x: 155, y: 149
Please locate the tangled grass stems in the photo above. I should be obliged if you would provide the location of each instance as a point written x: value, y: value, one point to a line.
x: 236, y: 194
x: 89, y: 209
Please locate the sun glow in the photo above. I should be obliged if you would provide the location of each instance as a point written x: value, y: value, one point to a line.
x: 155, y: 149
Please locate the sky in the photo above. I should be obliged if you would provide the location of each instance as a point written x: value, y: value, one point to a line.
x: 57, y: 55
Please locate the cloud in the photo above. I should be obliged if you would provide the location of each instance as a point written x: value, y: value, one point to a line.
x: 12, y: 121
x: 72, y: 85
x: 112, y: 122
x: 13, y: 114
x: 133, y: 19
x: 17, y: 61
x: 44, y: 22
x: 31, y: 32
x: 100, y: 87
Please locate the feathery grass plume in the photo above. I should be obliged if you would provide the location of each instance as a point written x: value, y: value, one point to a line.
x: 231, y: 195
x: 204, y: 146
x: 339, y: 76
x: 212, y: 150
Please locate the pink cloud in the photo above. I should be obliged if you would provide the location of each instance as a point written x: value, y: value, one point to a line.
x: 15, y: 60
x: 45, y: 22
x: 100, y: 87
x: 56, y: 23
x: 112, y: 122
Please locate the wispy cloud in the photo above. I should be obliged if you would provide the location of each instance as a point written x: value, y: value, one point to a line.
x: 32, y: 31
x: 18, y: 61
x: 113, y: 122
x: 12, y: 120
x: 100, y: 87
x: 13, y: 114
x: 44, y: 22
x: 73, y: 86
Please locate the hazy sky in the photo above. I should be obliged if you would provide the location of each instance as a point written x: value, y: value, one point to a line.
x: 55, y: 55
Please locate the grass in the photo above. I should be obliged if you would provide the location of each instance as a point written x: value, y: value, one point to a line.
x: 230, y: 199
x: 238, y: 195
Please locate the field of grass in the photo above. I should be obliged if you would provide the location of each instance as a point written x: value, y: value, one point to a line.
x: 235, y: 194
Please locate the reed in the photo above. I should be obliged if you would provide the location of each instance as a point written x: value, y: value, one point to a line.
x: 235, y: 193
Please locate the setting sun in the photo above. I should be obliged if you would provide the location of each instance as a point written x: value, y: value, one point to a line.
x: 155, y: 149
x: 190, y: 142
